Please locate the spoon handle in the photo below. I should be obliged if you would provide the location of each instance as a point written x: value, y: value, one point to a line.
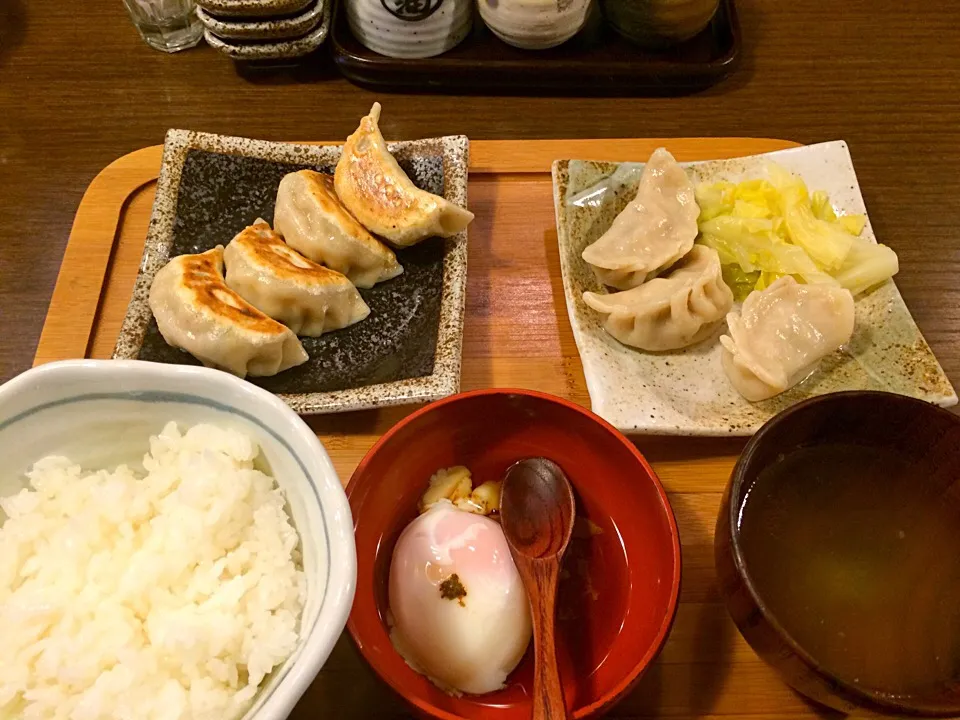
x: 548, y: 702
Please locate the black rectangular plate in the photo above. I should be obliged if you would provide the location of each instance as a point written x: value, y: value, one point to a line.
x: 221, y: 194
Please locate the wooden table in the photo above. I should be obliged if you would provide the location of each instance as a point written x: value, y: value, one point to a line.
x: 78, y: 88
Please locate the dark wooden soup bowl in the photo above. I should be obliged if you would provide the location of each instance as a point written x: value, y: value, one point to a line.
x: 929, y: 438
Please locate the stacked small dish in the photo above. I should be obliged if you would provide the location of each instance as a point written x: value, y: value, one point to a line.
x: 264, y: 29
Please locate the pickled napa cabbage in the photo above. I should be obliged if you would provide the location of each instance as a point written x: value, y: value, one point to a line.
x: 764, y: 229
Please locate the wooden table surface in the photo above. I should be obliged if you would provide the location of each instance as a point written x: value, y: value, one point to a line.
x: 78, y: 88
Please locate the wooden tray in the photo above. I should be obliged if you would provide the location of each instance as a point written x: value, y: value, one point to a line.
x: 595, y: 62
x: 516, y: 335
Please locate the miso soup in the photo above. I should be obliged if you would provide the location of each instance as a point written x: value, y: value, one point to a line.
x: 859, y: 560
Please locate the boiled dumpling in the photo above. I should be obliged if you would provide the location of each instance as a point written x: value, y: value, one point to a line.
x: 315, y: 223
x: 669, y: 312
x: 651, y: 233
x: 306, y: 297
x: 781, y: 333
x: 381, y: 196
x: 196, y: 311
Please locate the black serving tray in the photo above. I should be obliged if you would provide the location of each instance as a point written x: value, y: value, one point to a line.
x: 597, y: 61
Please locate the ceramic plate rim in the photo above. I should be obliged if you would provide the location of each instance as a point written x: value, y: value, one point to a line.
x: 445, y: 378
x: 254, y: 29
x: 274, y: 49
x: 253, y: 8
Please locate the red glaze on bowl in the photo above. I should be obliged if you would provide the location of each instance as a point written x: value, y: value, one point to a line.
x: 619, y: 598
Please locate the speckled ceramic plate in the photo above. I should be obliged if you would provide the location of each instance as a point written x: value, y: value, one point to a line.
x: 686, y: 392
x: 253, y: 8
x: 284, y: 28
x: 276, y: 50
x: 408, y: 349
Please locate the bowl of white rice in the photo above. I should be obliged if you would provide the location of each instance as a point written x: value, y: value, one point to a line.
x: 175, y: 544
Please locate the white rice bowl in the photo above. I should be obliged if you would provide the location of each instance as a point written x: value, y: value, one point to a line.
x: 168, y: 594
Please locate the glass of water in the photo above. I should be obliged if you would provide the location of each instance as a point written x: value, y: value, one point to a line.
x: 168, y: 25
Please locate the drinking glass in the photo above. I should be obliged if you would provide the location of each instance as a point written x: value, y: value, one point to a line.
x: 168, y: 25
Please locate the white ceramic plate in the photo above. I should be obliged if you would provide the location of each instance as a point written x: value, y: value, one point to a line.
x: 686, y: 392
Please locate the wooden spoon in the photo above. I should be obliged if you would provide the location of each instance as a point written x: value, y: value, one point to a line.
x: 536, y: 512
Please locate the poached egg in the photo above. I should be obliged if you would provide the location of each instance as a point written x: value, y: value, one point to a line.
x: 459, y: 612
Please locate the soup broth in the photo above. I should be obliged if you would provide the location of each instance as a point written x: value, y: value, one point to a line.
x: 859, y: 560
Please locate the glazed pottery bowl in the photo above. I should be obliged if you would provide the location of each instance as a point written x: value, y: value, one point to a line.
x: 659, y: 23
x: 886, y: 446
x: 534, y: 24
x: 619, y: 596
x: 409, y: 28
x: 102, y: 413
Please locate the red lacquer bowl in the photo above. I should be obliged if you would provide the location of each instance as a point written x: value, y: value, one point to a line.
x: 619, y: 595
